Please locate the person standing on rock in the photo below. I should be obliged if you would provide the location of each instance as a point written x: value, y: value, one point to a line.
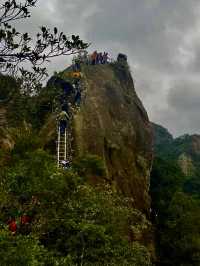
x: 98, y: 58
x: 78, y: 98
x: 85, y: 58
x: 94, y: 58
x: 105, y: 58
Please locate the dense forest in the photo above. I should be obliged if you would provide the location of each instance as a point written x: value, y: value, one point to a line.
x: 176, y: 200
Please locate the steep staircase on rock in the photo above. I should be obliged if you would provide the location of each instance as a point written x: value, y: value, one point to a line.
x: 64, y: 147
x: 64, y: 139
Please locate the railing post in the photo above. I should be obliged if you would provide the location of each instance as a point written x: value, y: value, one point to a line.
x: 65, y: 155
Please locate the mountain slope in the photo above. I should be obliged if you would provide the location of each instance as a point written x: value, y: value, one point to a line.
x: 175, y: 193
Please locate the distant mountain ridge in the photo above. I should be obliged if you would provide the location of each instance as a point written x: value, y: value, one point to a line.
x: 184, y: 149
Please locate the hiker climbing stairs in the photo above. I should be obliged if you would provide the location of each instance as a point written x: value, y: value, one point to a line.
x: 64, y: 147
x: 70, y: 101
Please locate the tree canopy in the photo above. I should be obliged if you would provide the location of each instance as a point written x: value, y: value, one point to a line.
x: 17, y: 48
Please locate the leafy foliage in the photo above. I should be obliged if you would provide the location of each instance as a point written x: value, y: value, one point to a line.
x: 24, y: 108
x: 71, y: 222
x: 25, y: 250
x: 181, y: 240
x: 18, y: 48
x: 8, y: 86
x: 176, y: 210
x: 89, y: 165
x: 166, y: 179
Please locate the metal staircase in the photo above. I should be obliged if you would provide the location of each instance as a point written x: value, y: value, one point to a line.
x: 64, y: 147
x: 64, y: 139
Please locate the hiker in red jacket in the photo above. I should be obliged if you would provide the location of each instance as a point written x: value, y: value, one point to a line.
x: 12, y: 226
x: 94, y: 58
x: 25, y: 219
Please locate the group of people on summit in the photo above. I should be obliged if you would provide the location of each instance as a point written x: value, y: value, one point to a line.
x: 99, y: 58
x: 90, y: 59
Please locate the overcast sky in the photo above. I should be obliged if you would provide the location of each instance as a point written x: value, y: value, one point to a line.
x: 161, y: 39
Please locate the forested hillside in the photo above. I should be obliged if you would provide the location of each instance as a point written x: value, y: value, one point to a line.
x: 175, y: 191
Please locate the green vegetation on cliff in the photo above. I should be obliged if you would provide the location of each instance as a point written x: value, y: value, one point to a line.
x: 55, y: 217
x: 71, y: 222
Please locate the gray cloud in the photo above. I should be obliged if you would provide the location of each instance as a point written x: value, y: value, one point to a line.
x: 150, y: 31
x: 183, y: 105
x: 161, y: 38
x: 185, y: 96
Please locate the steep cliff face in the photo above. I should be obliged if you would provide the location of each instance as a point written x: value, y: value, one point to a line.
x: 186, y: 164
x: 113, y: 124
x: 188, y: 154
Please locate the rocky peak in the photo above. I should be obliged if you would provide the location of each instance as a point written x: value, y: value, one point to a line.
x: 184, y: 149
x: 113, y: 124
